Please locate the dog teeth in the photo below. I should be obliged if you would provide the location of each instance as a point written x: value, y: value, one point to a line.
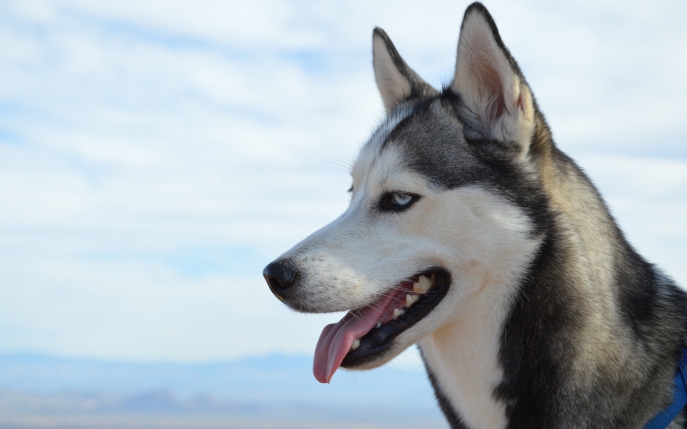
x: 356, y: 344
x: 411, y: 299
x: 379, y: 324
x: 397, y: 313
x: 423, y: 284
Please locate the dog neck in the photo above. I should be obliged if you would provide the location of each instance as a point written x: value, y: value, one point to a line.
x: 590, y: 326
x: 462, y: 361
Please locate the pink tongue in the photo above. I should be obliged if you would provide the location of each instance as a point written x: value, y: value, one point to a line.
x: 336, y: 339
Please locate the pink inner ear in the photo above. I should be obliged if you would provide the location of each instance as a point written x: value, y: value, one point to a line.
x: 491, y: 88
x: 489, y: 82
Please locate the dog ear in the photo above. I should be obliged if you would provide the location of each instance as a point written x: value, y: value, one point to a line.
x: 395, y: 80
x: 489, y: 82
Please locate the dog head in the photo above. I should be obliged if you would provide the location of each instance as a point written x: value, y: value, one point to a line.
x: 442, y: 212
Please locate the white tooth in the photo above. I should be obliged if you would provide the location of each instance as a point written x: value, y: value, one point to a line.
x: 411, y: 299
x: 397, y: 313
x: 379, y: 324
x: 356, y: 344
x: 424, y: 284
x: 421, y: 287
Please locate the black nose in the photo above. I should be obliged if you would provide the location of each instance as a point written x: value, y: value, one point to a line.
x: 280, y: 275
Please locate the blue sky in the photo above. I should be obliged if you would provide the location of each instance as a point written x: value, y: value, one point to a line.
x: 154, y: 156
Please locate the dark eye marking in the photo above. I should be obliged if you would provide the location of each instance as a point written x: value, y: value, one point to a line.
x: 397, y: 201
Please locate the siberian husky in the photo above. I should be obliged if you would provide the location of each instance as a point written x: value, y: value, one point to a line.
x: 472, y: 235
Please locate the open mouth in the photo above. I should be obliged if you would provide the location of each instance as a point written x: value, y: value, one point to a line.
x: 365, y: 334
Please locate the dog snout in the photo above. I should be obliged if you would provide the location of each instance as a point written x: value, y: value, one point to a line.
x: 280, y: 275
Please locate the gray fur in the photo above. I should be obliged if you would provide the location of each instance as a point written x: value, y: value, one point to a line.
x: 593, y: 333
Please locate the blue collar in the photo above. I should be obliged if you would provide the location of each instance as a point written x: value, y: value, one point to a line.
x: 662, y: 420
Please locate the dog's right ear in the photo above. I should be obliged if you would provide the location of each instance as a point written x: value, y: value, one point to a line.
x: 395, y: 80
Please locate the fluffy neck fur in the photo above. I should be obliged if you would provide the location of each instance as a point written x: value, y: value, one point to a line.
x: 590, y: 337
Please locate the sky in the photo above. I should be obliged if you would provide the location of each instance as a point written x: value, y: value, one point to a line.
x: 156, y: 155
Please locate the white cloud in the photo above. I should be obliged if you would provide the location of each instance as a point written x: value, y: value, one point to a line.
x: 138, y: 139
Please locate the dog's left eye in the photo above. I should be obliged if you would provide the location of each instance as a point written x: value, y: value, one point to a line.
x: 397, y: 201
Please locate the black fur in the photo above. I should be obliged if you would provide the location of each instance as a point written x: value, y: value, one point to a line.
x: 442, y: 140
x: 557, y: 373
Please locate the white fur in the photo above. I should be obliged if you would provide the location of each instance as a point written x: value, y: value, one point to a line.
x: 463, y: 353
x: 468, y: 231
x: 483, y: 241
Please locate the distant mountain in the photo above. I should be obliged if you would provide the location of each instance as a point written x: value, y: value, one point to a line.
x: 163, y: 410
x: 270, y: 377
x: 275, y: 391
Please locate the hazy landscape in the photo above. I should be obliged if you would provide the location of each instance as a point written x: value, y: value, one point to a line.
x: 276, y: 391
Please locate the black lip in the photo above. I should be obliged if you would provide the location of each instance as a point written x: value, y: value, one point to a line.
x: 376, y: 343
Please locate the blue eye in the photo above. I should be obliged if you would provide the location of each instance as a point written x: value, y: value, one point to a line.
x: 400, y: 199
x: 397, y: 201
